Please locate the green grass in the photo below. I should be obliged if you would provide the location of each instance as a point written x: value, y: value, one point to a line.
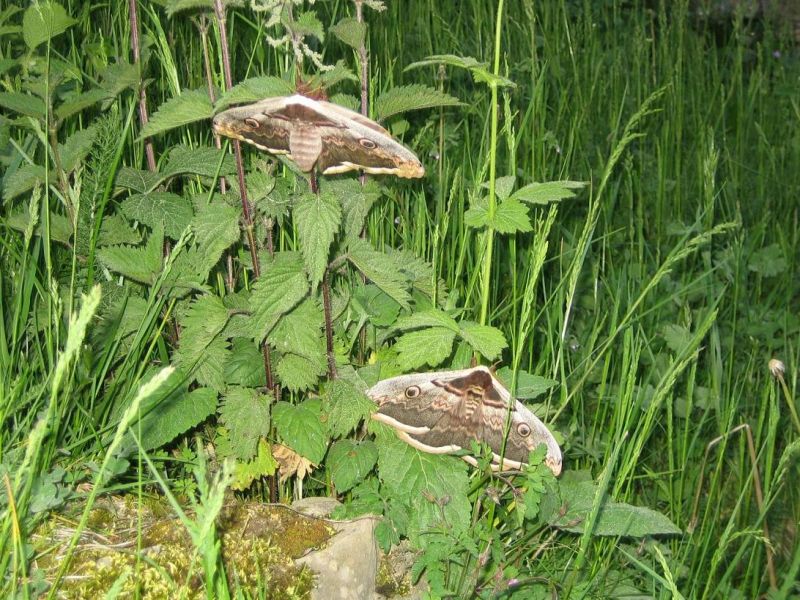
x: 654, y: 299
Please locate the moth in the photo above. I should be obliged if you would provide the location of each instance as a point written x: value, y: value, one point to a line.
x: 315, y: 133
x: 444, y: 412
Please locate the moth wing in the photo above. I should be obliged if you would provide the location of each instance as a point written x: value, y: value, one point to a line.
x: 256, y: 124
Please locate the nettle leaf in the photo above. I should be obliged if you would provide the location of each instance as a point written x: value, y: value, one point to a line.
x: 282, y: 286
x: 245, y: 413
x: 768, y: 261
x: 300, y: 331
x: 427, y: 318
x: 677, y: 337
x: 76, y: 147
x: 78, y: 102
x: 479, y: 70
x: 245, y: 365
x: 434, y: 486
x: 216, y: 228
x: 253, y: 90
x: 486, y: 340
x: 614, y: 519
x: 137, y: 263
x: 205, y: 161
x: 356, y: 201
x: 346, y: 407
x: 307, y: 23
x: 137, y: 180
x: 511, y: 217
x: 427, y: 346
x: 419, y: 272
x: 350, y: 31
x: 547, y: 192
x: 477, y: 215
x: 263, y: 465
x: 22, y: 180
x: 159, y: 209
x: 115, y: 230
x: 349, y: 462
x: 376, y: 305
x: 188, y: 107
x: 317, y: 218
x: 24, y: 104
x: 411, y: 97
x: 299, y: 373
x: 201, y: 352
x: 43, y: 21
x: 172, y: 412
x: 301, y: 428
x: 528, y: 386
x: 379, y: 268
x: 502, y: 186
x: 118, y: 77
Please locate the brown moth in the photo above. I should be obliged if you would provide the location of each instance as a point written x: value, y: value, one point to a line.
x: 315, y: 133
x: 444, y: 412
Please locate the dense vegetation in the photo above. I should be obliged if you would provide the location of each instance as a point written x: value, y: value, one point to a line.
x: 609, y: 214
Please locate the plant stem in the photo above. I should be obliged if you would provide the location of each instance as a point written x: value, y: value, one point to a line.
x: 135, y: 48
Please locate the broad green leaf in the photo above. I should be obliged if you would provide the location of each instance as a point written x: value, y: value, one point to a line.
x: 216, y: 228
x: 188, y: 107
x: 528, y: 386
x: 377, y: 267
x: 299, y: 331
x: 376, y: 305
x: 118, y: 77
x: 434, y: 486
x: 426, y: 346
x: 22, y: 180
x: 346, y: 407
x: 137, y: 180
x: 333, y: 77
x: 253, y: 90
x: 141, y: 264
x: 477, y: 215
x: 502, y: 186
x: 404, y: 98
x: 419, y: 272
x: 245, y: 365
x: 317, y: 218
x: 308, y: 24
x: 300, y: 427
x: 427, y: 318
x: 24, y: 104
x: 350, y: 31
x: 282, y: 285
x: 204, y: 160
x: 43, y: 21
x: 299, y: 373
x: 480, y: 71
x: 511, y: 217
x: 768, y: 261
x: 201, y: 351
x: 614, y: 519
x: 350, y: 462
x: 174, y: 414
x: 77, y: 103
x: 263, y: 465
x: 549, y: 191
x: 245, y: 413
x: 486, y: 340
x: 76, y: 147
x: 356, y: 201
x: 115, y: 230
x: 677, y: 337
x: 159, y: 209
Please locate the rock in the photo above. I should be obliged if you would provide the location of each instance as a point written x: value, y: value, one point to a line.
x: 347, y: 567
x: 319, y: 507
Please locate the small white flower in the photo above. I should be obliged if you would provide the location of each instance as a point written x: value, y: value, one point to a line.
x: 777, y: 368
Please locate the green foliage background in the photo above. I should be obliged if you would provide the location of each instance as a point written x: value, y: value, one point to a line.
x: 610, y: 210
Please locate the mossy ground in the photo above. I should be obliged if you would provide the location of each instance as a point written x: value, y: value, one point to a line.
x: 137, y: 549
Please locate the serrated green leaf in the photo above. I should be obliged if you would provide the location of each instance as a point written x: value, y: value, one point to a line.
x: 381, y: 270
x: 300, y: 427
x: 614, y: 518
x: 114, y: 230
x: 350, y: 31
x: 159, y: 209
x: 263, y: 465
x: 346, y: 407
x: 299, y: 331
x: 528, y: 386
x: 511, y: 217
x: 476, y: 216
x: 376, y: 305
x: 300, y: 373
x: 356, y: 201
x: 484, y: 339
x: 307, y: 23
x: 24, y: 104
x: 427, y: 318
x: 282, y: 286
x: 245, y: 413
x: 141, y: 264
x: 419, y: 272
x: 77, y: 103
x: 502, y: 186
x: 202, y: 352
x: 768, y: 261
x: 175, y: 6
x: 253, y: 90
x: 480, y: 71
x: 118, y: 77
x: 216, y: 228
x: 245, y: 365
x: 76, y: 147
x: 427, y: 346
x: 349, y: 462
x: 317, y: 218
x: 175, y: 414
x: 404, y: 98
x: 549, y: 191
x: 137, y: 180
x: 204, y: 160
x: 43, y: 21
x: 188, y: 107
x: 332, y: 77
x: 677, y: 337
x: 22, y: 180
x: 434, y: 486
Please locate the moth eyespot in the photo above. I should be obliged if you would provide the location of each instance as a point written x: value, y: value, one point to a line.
x: 523, y: 430
x: 412, y: 392
x: 368, y: 144
x: 251, y: 122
